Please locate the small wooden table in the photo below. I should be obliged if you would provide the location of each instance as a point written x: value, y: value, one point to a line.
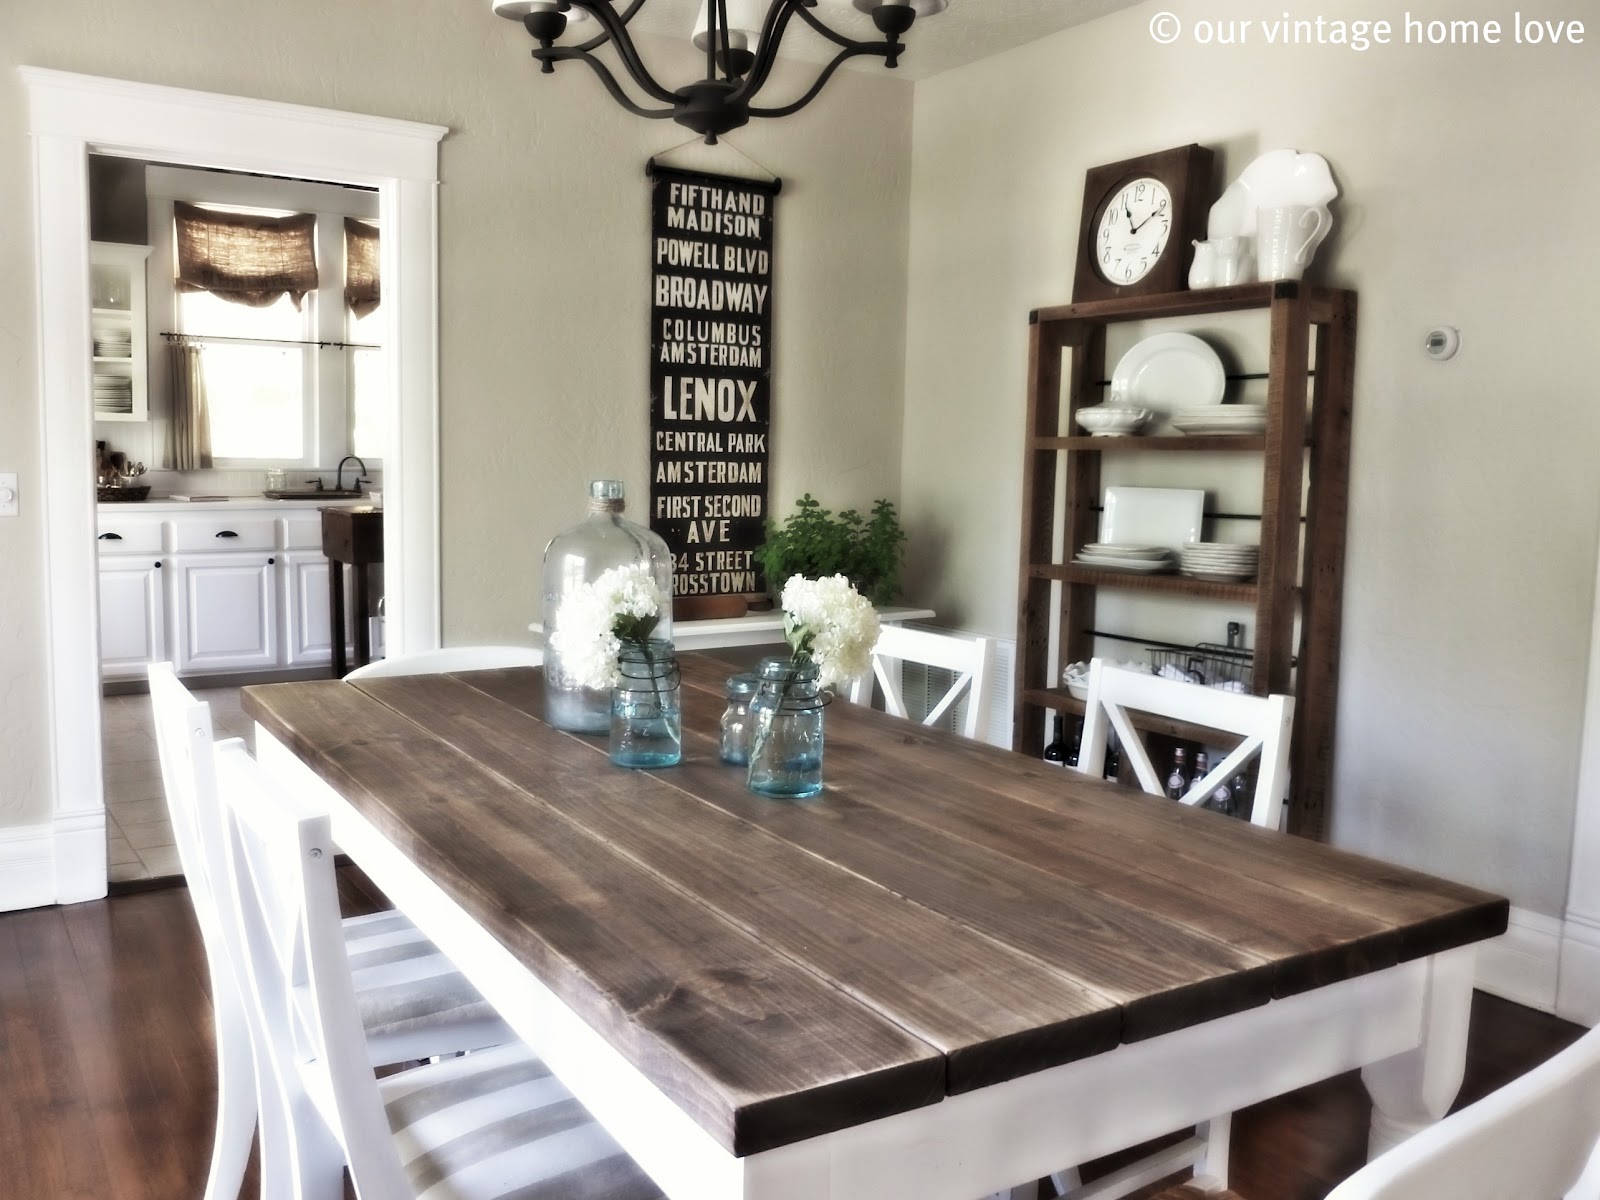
x: 957, y: 970
x: 354, y: 536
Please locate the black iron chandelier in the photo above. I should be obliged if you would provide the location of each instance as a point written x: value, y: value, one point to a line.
x: 739, y: 53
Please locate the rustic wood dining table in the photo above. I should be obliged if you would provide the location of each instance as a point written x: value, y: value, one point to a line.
x: 956, y: 970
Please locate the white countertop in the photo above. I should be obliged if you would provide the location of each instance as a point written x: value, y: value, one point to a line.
x: 167, y: 504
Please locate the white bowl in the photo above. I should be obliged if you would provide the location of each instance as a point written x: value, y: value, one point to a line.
x: 1105, y: 420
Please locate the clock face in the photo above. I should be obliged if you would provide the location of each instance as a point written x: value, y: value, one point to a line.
x: 1131, y: 235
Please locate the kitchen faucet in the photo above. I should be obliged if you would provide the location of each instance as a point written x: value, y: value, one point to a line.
x: 338, y: 482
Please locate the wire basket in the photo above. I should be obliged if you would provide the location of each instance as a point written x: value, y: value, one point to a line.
x: 1206, y: 663
x: 127, y: 494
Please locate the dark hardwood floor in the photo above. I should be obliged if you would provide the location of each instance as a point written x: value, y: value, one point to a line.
x: 107, y: 1091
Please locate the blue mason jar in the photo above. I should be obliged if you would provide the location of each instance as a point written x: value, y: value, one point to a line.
x: 786, y: 731
x: 734, y: 744
x: 646, y: 714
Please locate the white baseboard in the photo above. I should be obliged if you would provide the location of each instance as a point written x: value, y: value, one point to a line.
x: 80, y: 846
x: 1578, y: 996
x: 1523, y: 963
x: 27, y: 867
x: 59, y: 863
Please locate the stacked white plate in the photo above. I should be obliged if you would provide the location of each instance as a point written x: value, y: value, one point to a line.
x: 113, y: 343
x: 1221, y: 418
x: 1149, y: 560
x: 1228, y: 561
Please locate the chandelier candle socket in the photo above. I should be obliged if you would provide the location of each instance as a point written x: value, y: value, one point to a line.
x: 740, y: 45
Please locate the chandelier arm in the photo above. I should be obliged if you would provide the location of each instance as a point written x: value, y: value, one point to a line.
x: 617, y: 34
x: 805, y: 14
x: 595, y: 43
x: 857, y: 49
x: 573, y: 54
x: 772, y: 31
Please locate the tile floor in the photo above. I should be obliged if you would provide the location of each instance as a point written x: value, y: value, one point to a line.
x: 139, y: 839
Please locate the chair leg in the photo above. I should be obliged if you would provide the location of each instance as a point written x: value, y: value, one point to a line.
x: 1211, y: 1170
x: 1065, y: 1181
x: 236, y: 1107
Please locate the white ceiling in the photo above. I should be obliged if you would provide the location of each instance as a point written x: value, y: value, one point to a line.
x: 965, y: 32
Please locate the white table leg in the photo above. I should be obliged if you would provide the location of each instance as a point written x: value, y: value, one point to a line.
x: 1413, y: 1090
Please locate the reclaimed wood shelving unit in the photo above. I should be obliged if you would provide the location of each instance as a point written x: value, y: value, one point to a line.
x: 1305, y: 452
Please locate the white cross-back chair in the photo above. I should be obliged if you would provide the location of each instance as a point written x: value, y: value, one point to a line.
x: 1536, y: 1138
x: 412, y: 1001
x: 967, y: 658
x: 1263, y: 722
x: 450, y: 658
x: 492, y: 1124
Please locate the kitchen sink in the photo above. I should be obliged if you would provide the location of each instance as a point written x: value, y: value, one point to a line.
x: 315, y: 494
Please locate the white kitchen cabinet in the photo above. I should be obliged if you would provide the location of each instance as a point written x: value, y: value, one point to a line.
x: 305, y: 609
x: 133, y: 614
x: 225, y: 611
x: 117, y: 331
x: 219, y: 589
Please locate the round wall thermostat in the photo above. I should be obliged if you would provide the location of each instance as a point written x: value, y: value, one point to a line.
x: 1442, y: 342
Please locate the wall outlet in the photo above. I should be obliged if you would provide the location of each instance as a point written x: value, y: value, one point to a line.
x: 8, y: 494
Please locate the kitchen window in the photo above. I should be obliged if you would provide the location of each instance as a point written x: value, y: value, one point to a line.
x: 284, y: 384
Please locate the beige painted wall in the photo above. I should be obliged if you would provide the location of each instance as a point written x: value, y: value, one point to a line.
x: 1467, y: 179
x: 544, y: 275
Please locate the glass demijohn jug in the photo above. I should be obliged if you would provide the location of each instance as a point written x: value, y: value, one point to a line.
x: 602, y: 540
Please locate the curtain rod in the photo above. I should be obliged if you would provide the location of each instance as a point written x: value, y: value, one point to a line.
x: 217, y: 337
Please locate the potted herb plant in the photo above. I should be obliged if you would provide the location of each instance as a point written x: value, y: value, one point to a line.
x: 811, y: 541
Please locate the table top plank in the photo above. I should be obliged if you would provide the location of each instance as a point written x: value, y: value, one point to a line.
x: 1163, y: 974
x: 758, y: 1050
x: 993, y: 1010
x: 1267, y: 873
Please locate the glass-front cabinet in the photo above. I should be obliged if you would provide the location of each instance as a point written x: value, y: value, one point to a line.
x: 117, y: 330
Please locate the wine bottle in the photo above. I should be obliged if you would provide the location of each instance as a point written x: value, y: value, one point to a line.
x: 1178, y: 778
x: 1055, y: 754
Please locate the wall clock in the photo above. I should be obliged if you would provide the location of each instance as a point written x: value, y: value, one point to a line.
x: 1139, y: 218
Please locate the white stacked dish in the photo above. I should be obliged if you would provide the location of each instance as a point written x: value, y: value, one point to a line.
x: 1147, y: 560
x: 1221, y: 418
x: 1226, y: 561
x: 1112, y: 420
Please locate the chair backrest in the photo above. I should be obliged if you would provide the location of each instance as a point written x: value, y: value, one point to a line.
x: 188, y: 776
x: 280, y: 855
x: 1262, y: 721
x: 451, y: 658
x: 968, y: 658
x: 1537, y: 1137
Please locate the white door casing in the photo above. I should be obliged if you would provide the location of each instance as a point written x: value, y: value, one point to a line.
x: 69, y: 116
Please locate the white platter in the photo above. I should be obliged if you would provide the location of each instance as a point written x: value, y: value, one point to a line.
x: 1146, y: 566
x: 1125, y: 551
x: 1168, y: 372
x: 1152, y: 516
x: 1274, y: 179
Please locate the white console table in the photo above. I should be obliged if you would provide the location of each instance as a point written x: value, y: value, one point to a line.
x: 752, y: 629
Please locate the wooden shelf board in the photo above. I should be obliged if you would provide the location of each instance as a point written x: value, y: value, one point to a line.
x: 1058, y: 700
x: 1180, y: 585
x: 1187, y: 303
x: 1178, y: 442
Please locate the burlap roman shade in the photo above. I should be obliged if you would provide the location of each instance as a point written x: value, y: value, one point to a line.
x: 361, y: 291
x: 245, y: 258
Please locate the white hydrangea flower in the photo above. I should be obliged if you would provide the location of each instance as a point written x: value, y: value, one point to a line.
x: 830, y: 622
x: 622, y: 605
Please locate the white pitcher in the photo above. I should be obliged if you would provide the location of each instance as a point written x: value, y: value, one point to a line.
x: 1287, y: 238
